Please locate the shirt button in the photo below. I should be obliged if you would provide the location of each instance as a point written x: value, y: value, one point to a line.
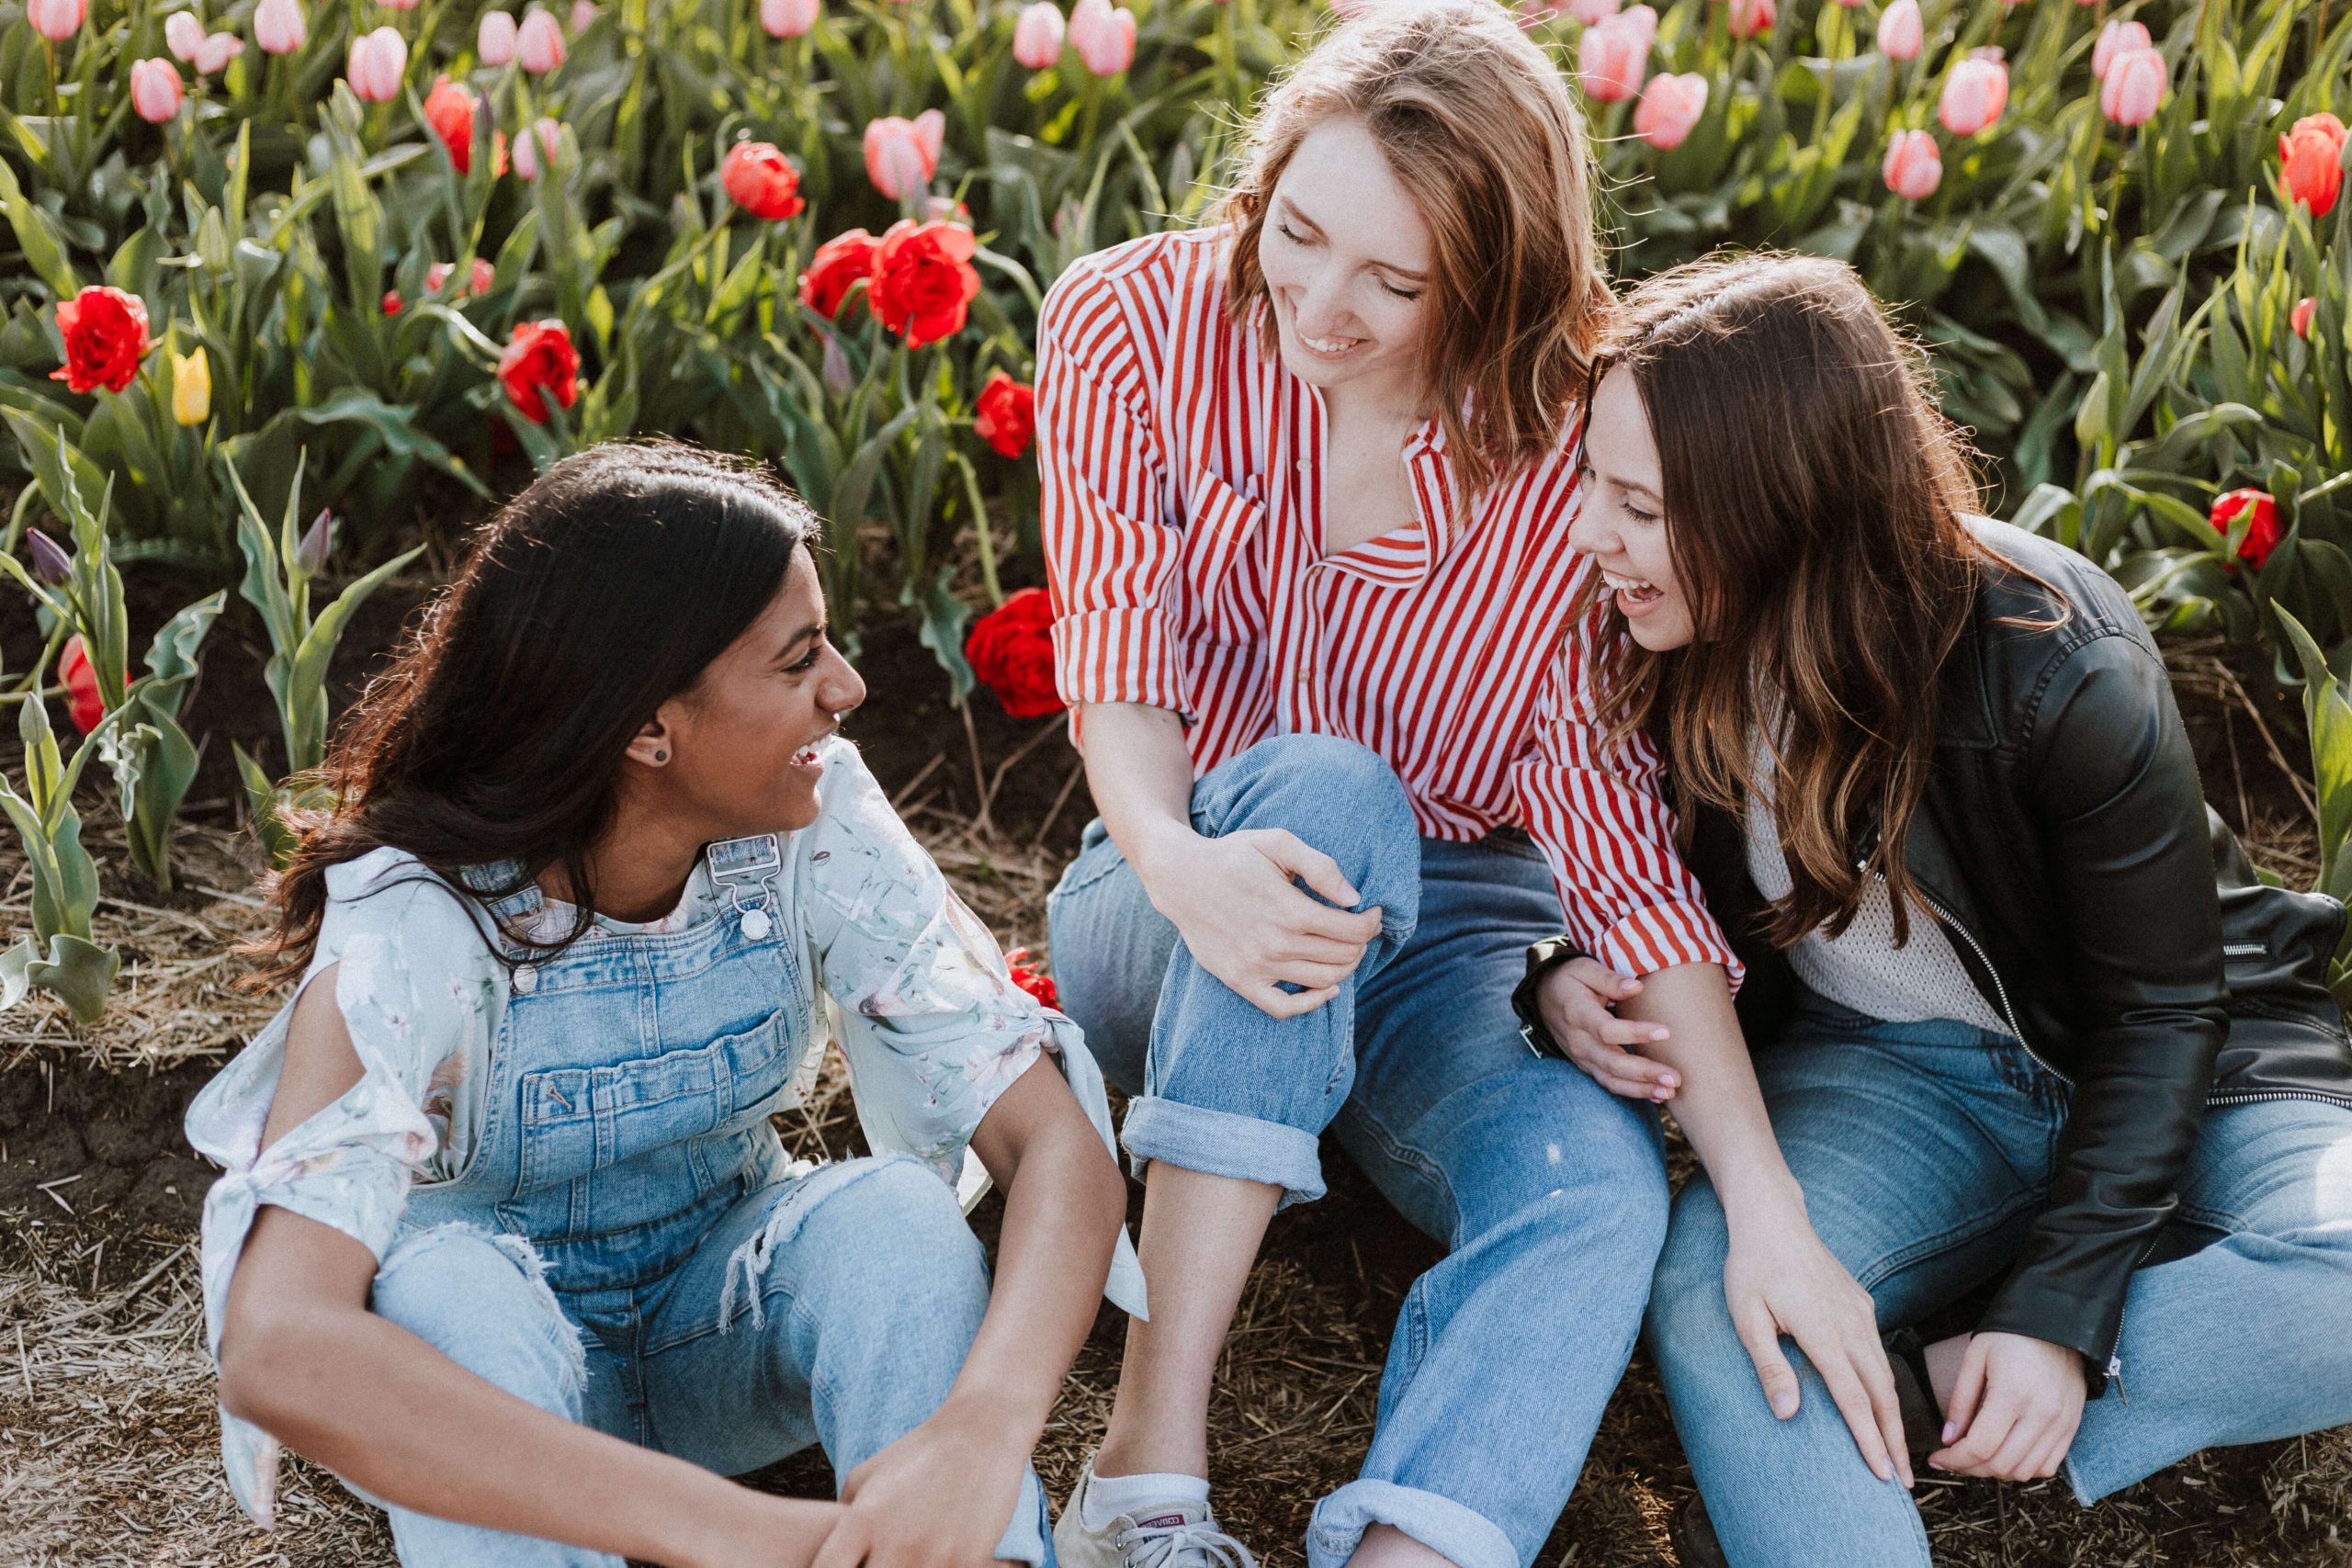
x: 1305, y: 671
x: 526, y: 979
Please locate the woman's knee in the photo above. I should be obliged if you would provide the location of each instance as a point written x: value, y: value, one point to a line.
x: 1689, y: 1322
x: 892, y: 1245
x: 477, y: 1297
x: 1335, y: 797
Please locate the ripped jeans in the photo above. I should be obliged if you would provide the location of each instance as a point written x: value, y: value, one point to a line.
x: 834, y: 1307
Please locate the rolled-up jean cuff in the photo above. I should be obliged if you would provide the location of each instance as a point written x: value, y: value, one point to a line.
x: 1219, y: 1142
x: 1461, y: 1535
x: 1027, y: 1539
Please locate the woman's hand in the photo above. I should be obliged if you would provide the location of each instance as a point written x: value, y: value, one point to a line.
x: 1779, y: 1278
x: 2014, y: 1410
x: 1575, y: 1000
x: 939, y: 1497
x: 1245, y: 922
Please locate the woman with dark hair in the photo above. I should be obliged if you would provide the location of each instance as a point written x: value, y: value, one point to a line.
x: 507, y: 1239
x: 2022, y: 1014
x: 1308, y: 473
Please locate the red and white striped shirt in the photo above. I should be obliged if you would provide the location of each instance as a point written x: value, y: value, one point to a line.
x: 1183, y: 520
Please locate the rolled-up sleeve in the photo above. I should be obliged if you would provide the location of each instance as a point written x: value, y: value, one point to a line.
x: 1109, y: 548
x: 1595, y: 809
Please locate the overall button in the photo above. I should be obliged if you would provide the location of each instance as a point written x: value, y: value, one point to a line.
x: 527, y: 978
x: 756, y: 924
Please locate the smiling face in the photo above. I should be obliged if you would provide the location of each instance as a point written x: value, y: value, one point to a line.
x: 1347, y: 259
x: 740, y: 741
x: 1622, y: 524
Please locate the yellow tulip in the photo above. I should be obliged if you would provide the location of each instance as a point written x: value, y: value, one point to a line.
x: 191, y: 388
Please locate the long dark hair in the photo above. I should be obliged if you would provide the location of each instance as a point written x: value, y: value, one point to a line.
x: 497, y: 733
x: 1817, y: 506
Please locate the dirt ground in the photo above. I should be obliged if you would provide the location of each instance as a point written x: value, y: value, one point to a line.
x: 109, y: 1450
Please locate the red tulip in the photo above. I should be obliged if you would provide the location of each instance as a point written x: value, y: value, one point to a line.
x: 2116, y: 38
x: 1914, y: 166
x: 156, y: 90
x: 2311, y: 163
x: 902, y: 154
x: 83, y: 702
x: 2259, y: 512
x: 1973, y: 96
x: 1038, y: 36
x: 757, y: 179
x: 1012, y: 650
x: 923, y: 279
x: 1612, y: 58
x: 450, y: 108
x: 539, y: 363
x: 839, y: 264
x: 1031, y: 978
x: 1005, y: 416
x: 1671, y: 107
x: 2300, y: 317
x: 2135, y: 83
x: 1901, y: 34
x: 104, y: 329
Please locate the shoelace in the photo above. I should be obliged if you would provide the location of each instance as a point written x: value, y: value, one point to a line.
x: 1198, y: 1545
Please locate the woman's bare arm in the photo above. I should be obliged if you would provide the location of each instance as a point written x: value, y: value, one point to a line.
x: 302, y: 1357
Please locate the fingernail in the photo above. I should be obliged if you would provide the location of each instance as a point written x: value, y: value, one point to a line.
x: 1670, y: 1081
x: 1950, y: 1431
x: 1658, y: 1034
x: 1780, y: 1408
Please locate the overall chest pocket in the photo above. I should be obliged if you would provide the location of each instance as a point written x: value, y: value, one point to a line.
x: 608, y: 1147
x: 1221, y: 560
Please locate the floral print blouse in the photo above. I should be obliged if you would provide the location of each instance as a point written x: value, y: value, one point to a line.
x: 915, y: 991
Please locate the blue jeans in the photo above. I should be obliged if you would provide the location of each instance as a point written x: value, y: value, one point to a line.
x: 628, y: 1248
x: 1549, y: 1192
x: 1925, y: 1151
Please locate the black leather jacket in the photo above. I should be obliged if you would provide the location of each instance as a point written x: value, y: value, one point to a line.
x: 2100, y: 907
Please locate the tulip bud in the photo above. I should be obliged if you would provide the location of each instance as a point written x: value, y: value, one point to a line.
x: 1669, y: 109
x: 583, y: 16
x: 788, y: 18
x: 902, y: 154
x: 183, y: 35
x: 50, y: 563
x: 318, y: 541
x: 1103, y: 34
x: 2300, y: 317
x: 538, y: 45
x: 1914, y: 166
x: 2136, y: 80
x: 538, y: 144
x: 212, y: 56
x: 835, y: 371
x: 279, y: 28
x: 1750, y: 19
x: 494, y: 39
x: 2115, y: 39
x: 1612, y: 60
x: 376, y: 63
x: 156, y: 90
x: 1900, y: 31
x: 1973, y: 96
x: 57, y: 20
x: 1038, y: 36
x: 191, y: 388
x: 2311, y: 163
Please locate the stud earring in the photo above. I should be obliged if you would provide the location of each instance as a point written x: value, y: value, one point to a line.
x: 661, y: 756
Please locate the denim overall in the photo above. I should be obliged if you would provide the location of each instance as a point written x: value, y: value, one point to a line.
x: 629, y: 1246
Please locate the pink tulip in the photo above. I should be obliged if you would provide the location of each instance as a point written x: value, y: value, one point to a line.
x: 902, y: 154
x: 1671, y: 105
x: 1974, y: 95
x: 183, y: 35
x: 375, y: 65
x: 2135, y: 83
x: 57, y: 20
x: 538, y: 144
x: 1592, y: 11
x: 2114, y: 40
x: 494, y: 39
x: 1900, y: 33
x: 1642, y: 19
x: 788, y: 18
x: 278, y: 26
x: 397, y: 5
x: 538, y: 44
x: 1913, y: 168
x: 1612, y: 60
x: 1748, y: 18
x: 1037, y: 36
x: 1851, y: 4
x: 1103, y: 34
x: 583, y: 16
x: 156, y: 90
x: 213, y: 56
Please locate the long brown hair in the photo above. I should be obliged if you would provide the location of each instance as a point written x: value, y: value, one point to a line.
x: 1816, y: 507
x: 1480, y: 125
x: 497, y: 733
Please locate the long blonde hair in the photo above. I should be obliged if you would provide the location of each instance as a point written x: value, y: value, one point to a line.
x: 1480, y: 125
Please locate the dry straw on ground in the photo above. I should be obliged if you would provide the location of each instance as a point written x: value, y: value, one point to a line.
x: 108, y: 1450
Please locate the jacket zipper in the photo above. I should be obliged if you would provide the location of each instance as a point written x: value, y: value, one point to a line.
x: 1952, y: 922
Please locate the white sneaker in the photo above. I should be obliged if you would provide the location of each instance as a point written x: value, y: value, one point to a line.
x: 1164, y: 1535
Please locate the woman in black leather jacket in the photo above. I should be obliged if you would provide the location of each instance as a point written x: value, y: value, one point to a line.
x: 2021, y: 1015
